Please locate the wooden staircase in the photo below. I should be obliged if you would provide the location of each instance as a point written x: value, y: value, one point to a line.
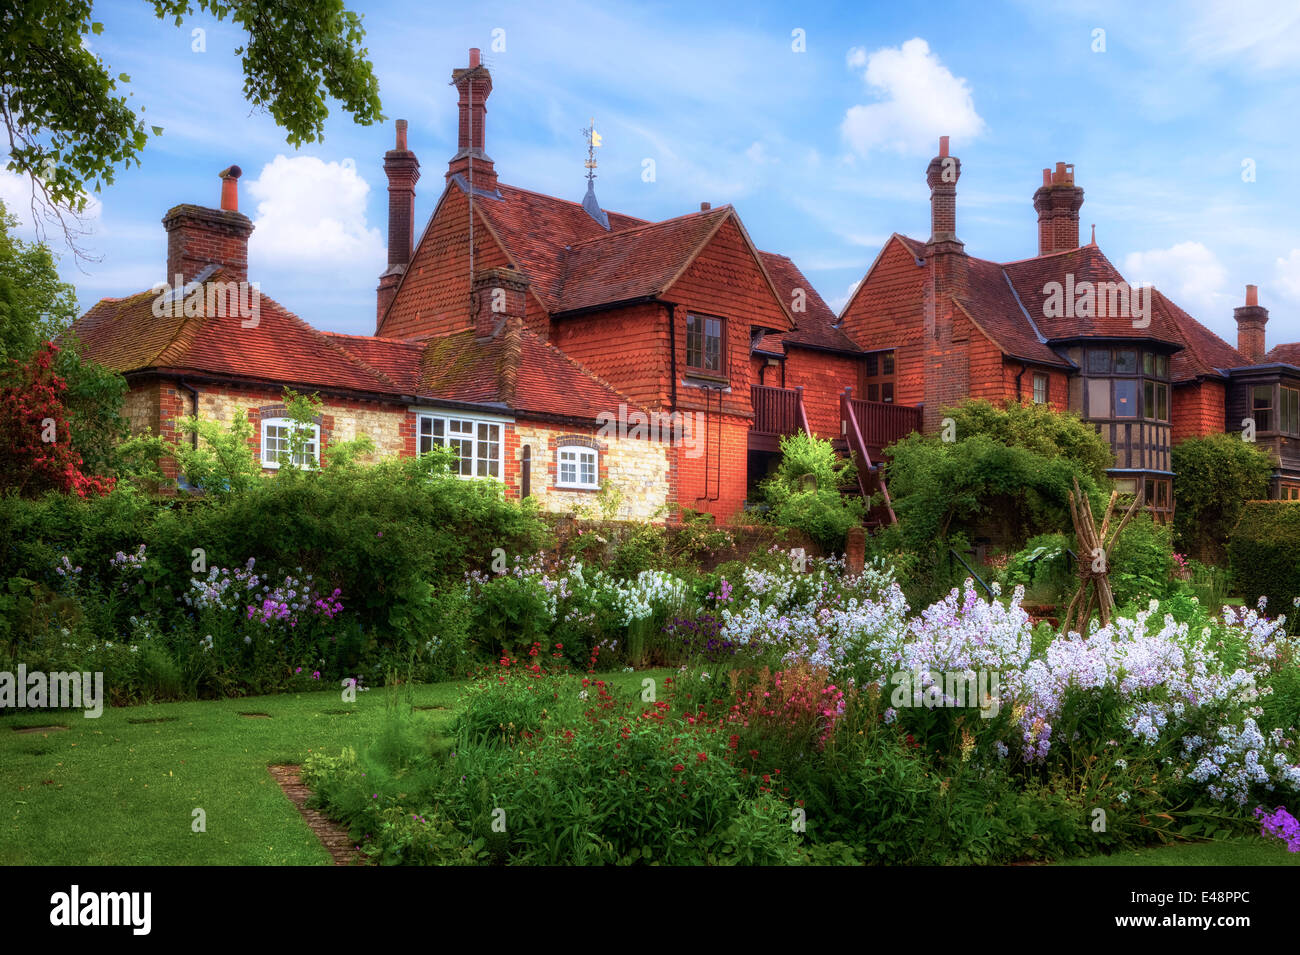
x: 869, y: 427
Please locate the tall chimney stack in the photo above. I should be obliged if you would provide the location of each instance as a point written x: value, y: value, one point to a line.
x: 1058, y: 201
x: 1251, y: 319
x: 403, y: 171
x: 474, y: 85
x: 198, y: 236
x: 947, y: 361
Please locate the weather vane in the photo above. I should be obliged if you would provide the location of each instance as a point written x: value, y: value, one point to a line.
x: 593, y: 141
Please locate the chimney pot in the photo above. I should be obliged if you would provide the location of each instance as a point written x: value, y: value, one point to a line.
x: 473, y: 57
x: 401, y: 134
x: 943, y: 145
x: 1252, y: 295
x: 230, y: 188
x: 1047, y: 177
x: 705, y: 207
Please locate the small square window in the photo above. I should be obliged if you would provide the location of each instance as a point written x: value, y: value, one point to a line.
x: 278, y: 441
x: 577, y: 467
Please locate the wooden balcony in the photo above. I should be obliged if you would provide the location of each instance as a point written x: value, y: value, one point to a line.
x: 882, y: 423
x: 777, y: 413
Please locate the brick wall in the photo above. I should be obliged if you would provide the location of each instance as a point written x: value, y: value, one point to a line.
x: 725, y: 458
x: 824, y: 376
x: 887, y: 312
x: 1198, y: 409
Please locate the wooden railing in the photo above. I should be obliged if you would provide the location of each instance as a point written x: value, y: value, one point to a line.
x: 883, y: 423
x: 777, y: 411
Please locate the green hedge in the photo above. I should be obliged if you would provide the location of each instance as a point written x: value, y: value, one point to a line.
x: 1264, y: 554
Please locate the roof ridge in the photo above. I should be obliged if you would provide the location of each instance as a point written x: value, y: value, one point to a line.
x: 648, y: 225
x: 1049, y: 255
x: 570, y: 202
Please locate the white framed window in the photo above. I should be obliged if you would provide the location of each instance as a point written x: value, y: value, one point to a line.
x: 1040, y: 389
x: 276, y: 435
x: 476, y: 443
x: 576, y: 466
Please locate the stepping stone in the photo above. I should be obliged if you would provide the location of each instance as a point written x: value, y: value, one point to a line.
x: 38, y: 729
x: 256, y: 716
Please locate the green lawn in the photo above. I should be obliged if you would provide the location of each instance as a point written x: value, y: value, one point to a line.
x: 1246, y: 851
x: 115, y: 790
x: 120, y: 790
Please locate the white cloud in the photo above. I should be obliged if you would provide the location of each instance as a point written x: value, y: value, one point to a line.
x: 16, y: 193
x: 1288, y: 275
x: 1188, y: 273
x: 312, y: 215
x: 920, y: 100
x: 1260, y: 34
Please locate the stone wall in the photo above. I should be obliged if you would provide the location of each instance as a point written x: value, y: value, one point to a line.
x: 638, y: 468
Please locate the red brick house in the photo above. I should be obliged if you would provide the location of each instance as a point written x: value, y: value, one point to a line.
x: 556, y: 347
x: 1064, y: 328
x: 563, y: 349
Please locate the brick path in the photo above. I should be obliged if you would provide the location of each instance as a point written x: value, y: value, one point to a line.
x: 332, y: 836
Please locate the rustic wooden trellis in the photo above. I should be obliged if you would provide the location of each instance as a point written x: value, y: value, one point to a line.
x: 1094, y: 559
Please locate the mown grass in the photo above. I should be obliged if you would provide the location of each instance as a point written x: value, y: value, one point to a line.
x: 121, y: 790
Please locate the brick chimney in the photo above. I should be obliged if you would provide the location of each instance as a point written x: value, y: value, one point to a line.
x: 1058, y: 201
x: 475, y: 85
x: 403, y: 171
x: 500, y: 296
x: 947, y: 358
x: 1251, y: 319
x: 198, y: 236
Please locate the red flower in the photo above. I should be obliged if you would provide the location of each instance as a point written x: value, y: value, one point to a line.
x: 702, y: 757
x: 678, y: 768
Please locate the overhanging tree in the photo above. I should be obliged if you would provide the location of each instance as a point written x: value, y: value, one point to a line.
x: 70, y: 128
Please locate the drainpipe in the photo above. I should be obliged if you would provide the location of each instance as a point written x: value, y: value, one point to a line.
x: 1023, y: 368
x: 194, y: 401
x: 671, y: 310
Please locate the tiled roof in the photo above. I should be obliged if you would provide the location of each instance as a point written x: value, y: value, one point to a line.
x: 515, y: 370
x: 1007, y: 300
x: 815, y: 324
x: 535, y: 231
x: 1087, y: 264
x: 272, y: 344
x: 633, y: 263
x: 396, y: 358
x: 992, y: 303
x: 1205, y: 352
x: 1287, y: 354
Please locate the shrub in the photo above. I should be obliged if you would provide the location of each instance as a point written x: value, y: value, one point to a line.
x: 1213, y: 478
x: 1264, y: 554
x: 821, y: 511
x: 1142, y: 562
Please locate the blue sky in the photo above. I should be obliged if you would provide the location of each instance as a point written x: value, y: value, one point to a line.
x: 822, y: 151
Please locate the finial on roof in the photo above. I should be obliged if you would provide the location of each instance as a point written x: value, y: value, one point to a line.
x: 589, y: 201
x: 1094, y: 234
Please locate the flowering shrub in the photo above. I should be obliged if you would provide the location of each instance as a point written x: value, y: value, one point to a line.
x: 1281, y: 825
x: 36, y: 452
x: 264, y: 635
